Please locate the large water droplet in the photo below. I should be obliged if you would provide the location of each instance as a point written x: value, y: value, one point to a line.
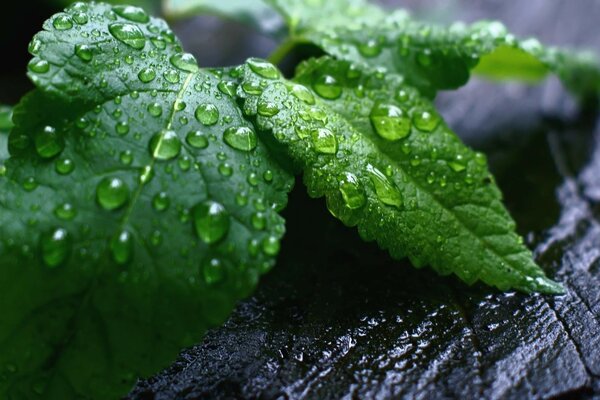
x: 207, y: 114
x: 121, y: 247
x: 48, y: 143
x: 38, y: 66
x: 351, y: 191
x: 129, y: 34
x: 240, y: 138
x: 197, y: 139
x: 84, y: 52
x: 267, y: 108
x: 390, y: 122
x: 62, y: 22
x: 425, y: 120
x: 263, y: 68
x: 171, y: 76
x: 55, y: 246
x: 147, y: 75
x: 324, y: 141
x: 211, y: 221
x: 303, y: 94
x: 271, y: 245
x: 135, y: 14
x: 155, y: 109
x: 327, y: 87
x: 112, y: 193
x: 227, y: 87
x: 386, y: 191
x: 165, y: 145
x: 185, y: 62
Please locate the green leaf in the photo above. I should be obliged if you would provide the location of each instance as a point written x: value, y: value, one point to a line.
x: 137, y: 207
x: 433, y: 57
x: 387, y: 163
x: 5, y: 126
x: 255, y: 13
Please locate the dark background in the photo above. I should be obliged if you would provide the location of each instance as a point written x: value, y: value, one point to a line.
x: 337, y: 318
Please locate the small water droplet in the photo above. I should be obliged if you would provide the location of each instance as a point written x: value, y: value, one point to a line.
x: 126, y: 157
x: 267, y: 108
x: 155, y: 109
x: 390, y: 122
x: 351, y: 191
x: 165, y: 145
x: 271, y: 245
x: 30, y: 184
x: 48, y: 143
x: 207, y: 114
x: 386, y: 191
x: 227, y: 87
x: 371, y: 48
x: 425, y: 120
x: 185, y: 62
x: 252, y: 88
x: 211, y: 221
x: 458, y: 164
x: 135, y: 14
x: 161, y: 201
x: 263, y: 68
x: 121, y: 247
x: 80, y: 18
x: 112, y: 193
x: 213, y: 271
x: 84, y: 52
x: 259, y: 221
x: 55, y: 247
x: 324, y: 141
x: 122, y: 128
x: 65, y: 211
x: 129, y: 34
x: 147, y: 75
x: 197, y: 139
x: 240, y: 138
x: 327, y: 87
x: 64, y: 166
x: 303, y: 94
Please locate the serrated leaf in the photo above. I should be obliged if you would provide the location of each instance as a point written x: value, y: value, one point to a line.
x: 433, y: 57
x: 387, y: 163
x: 128, y: 226
x: 255, y: 13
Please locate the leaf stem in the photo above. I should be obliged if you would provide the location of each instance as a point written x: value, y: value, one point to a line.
x: 277, y: 56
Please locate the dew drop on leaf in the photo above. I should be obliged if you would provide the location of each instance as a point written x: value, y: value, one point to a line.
x: 155, y: 109
x: 64, y: 166
x: 390, y: 122
x: 161, y: 201
x: 80, y: 18
x: 327, y: 87
x: 62, y: 22
x: 132, y: 13
x: 227, y: 87
x: 386, y: 191
x: 171, y: 76
x: 38, y: 66
x: 126, y: 157
x: 112, y: 193
x: 371, y: 48
x: 240, y: 138
x: 207, y: 114
x: 129, y: 34
x: 271, y: 245
x: 324, y: 141
x: 351, y: 191
x: 30, y: 184
x: 267, y: 108
x: 213, y: 271
x: 259, y: 221
x: 197, y: 140
x: 211, y: 221
x: 121, y: 247
x: 425, y: 120
x: 65, y: 211
x: 147, y: 75
x: 55, y: 247
x: 263, y: 68
x: 84, y: 52
x: 185, y: 62
x: 48, y: 143
x: 303, y: 94
x: 165, y: 145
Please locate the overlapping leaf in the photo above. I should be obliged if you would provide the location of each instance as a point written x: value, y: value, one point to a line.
x: 386, y: 162
x: 137, y: 206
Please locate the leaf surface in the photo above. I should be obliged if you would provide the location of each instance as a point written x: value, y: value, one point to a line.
x: 387, y: 163
x: 128, y: 224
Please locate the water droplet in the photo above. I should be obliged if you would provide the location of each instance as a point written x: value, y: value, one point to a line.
x: 211, y: 221
x: 129, y: 34
x: 122, y: 128
x: 185, y: 62
x: 165, y: 145
x: 121, y: 247
x: 161, y: 201
x: 30, y: 184
x: 48, y: 143
x: 267, y: 108
x: 425, y: 121
x: 62, y: 22
x: 84, y: 52
x: 55, y: 246
x: 327, y: 87
x: 126, y: 157
x: 156, y: 238
x: 263, y: 68
x: 268, y: 175
x: 240, y: 138
x: 213, y: 271
x: 197, y: 139
x: 171, y: 76
x: 227, y: 87
x: 185, y: 163
x: 458, y: 164
x: 155, y: 109
x: 252, y: 88
x: 207, y: 114
x: 80, y: 18
x: 146, y: 174
x: 225, y: 169
x: 147, y: 75
x: 390, y: 122
x: 303, y: 94
x: 112, y: 193
x: 371, y: 48
x: 351, y: 191
x: 65, y: 211
x: 271, y: 245
x: 35, y: 46
x: 135, y: 14
x: 38, y: 66
x: 324, y: 141
x: 386, y: 191
x: 64, y: 166
x: 259, y: 221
